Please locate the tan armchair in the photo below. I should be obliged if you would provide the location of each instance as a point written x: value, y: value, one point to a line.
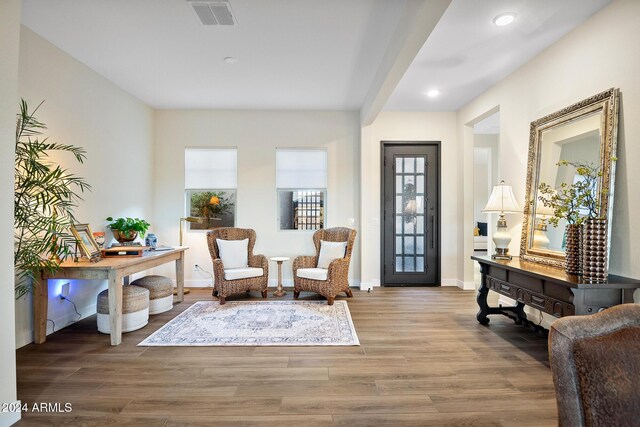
x: 333, y: 280
x: 595, y: 361
x: 229, y: 281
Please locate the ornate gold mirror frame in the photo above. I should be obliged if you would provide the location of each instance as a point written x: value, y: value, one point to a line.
x: 585, y: 131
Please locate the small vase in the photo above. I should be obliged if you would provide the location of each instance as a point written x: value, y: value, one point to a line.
x: 573, y: 250
x: 594, y: 250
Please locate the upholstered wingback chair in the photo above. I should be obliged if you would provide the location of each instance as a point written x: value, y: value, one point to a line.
x: 326, y: 280
x: 595, y: 362
x: 246, y: 273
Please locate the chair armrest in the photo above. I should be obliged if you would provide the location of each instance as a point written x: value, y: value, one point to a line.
x: 339, y: 269
x: 259, y: 261
x: 304, y: 262
x: 218, y: 269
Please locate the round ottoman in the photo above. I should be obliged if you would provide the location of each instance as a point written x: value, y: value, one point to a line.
x: 160, y: 292
x: 135, y: 309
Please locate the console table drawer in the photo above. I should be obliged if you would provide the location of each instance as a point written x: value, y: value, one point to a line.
x: 536, y: 300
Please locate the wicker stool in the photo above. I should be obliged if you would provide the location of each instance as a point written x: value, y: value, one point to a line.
x: 135, y: 309
x: 160, y: 292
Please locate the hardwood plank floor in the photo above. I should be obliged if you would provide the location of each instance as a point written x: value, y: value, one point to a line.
x: 423, y: 360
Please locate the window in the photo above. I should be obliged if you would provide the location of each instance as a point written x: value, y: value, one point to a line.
x: 301, y: 179
x: 210, y: 179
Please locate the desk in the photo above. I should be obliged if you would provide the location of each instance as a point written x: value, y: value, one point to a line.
x: 114, y: 270
x: 548, y: 289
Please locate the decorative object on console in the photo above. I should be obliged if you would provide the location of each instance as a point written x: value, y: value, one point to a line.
x: 98, y: 236
x: 151, y: 240
x: 85, y: 241
x: 577, y: 204
x: 502, y: 201
x: 594, y: 250
x: 127, y: 229
x: 44, y: 199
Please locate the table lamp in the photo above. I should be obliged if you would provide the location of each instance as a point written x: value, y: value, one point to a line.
x: 192, y: 219
x: 501, y: 201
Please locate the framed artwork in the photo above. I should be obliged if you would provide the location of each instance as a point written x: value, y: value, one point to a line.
x: 85, y: 240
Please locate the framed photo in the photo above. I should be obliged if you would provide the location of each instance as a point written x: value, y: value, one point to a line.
x: 86, y: 242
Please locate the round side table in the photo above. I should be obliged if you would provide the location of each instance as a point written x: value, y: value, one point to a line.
x: 279, y: 259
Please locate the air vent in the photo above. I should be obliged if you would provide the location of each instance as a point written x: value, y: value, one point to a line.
x: 213, y: 12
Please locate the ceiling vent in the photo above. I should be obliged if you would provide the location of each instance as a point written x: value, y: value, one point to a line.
x: 213, y: 12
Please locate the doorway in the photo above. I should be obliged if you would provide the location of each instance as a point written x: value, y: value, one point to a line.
x: 410, y: 208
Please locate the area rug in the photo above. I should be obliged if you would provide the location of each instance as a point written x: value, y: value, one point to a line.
x: 258, y: 323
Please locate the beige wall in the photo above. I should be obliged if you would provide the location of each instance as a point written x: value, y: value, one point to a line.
x: 9, y: 43
x: 406, y: 126
x: 256, y: 135
x: 600, y: 54
x: 116, y: 129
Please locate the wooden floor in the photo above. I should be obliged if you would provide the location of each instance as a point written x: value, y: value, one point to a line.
x: 423, y: 360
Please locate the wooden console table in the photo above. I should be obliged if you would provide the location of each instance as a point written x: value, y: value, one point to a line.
x: 115, y: 270
x: 548, y: 289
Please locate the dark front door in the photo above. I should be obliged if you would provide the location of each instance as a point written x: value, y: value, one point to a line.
x: 411, y: 214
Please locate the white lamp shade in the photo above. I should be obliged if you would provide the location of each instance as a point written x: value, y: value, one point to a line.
x: 502, y: 200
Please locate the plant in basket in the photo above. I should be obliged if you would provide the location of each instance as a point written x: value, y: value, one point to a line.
x: 127, y: 229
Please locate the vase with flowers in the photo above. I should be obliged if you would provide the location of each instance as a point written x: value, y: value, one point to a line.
x: 579, y: 205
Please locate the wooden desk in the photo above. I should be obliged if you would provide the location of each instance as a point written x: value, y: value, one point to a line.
x: 548, y: 289
x: 112, y: 269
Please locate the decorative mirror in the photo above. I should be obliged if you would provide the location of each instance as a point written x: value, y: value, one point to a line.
x: 585, y: 132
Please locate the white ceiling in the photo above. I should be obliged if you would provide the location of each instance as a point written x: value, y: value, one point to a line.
x: 466, y: 53
x: 298, y: 54
x: 292, y: 54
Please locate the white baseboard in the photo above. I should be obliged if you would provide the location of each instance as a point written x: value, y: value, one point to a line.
x: 199, y: 283
x: 10, y: 418
x: 448, y: 282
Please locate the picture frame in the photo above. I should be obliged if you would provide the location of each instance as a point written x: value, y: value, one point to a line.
x: 85, y: 241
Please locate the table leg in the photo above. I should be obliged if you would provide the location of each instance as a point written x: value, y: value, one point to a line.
x: 279, y: 290
x: 40, y: 308
x: 180, y: 277
x: 115, y: 307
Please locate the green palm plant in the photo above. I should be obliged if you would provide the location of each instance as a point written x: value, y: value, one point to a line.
x: 44, y: 199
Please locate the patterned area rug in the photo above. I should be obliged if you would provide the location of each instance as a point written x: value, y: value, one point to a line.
x: 258, y: 323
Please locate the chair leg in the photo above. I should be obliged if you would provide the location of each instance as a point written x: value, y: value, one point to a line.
x: 222, y: 300
x: 330, y: 300
x: 264, y: 293
x: 296, y: 294
x: 349, y: 293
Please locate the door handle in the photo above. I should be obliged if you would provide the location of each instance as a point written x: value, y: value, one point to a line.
x: 432, y: 225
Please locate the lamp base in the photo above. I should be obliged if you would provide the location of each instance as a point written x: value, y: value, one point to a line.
x: 502, y: 254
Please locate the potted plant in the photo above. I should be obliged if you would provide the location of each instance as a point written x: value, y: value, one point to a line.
x: 578, y: 204
x: 127, y: 229
x: 45, y: 195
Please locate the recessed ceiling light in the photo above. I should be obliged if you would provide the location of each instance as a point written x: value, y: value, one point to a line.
x: 432, y: 93
x: 504, y: 19
x: 230, y: 60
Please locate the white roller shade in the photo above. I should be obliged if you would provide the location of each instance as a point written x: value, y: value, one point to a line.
x: 213, y: 168
x: 301, y: 168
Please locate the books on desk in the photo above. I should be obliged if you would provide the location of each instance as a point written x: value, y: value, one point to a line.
x: 161, y: 248
x: 123, y: 251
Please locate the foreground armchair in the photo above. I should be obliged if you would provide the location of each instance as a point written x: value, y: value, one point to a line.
x: 595, y: 361
x: 326, y: 273
x: 235, y: 268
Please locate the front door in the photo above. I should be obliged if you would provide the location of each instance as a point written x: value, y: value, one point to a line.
x: 411, y: 213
